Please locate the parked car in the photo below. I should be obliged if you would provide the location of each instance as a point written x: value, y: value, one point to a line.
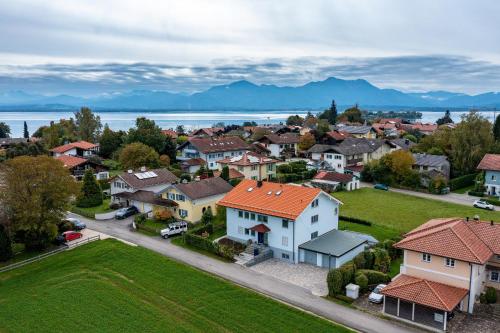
x: 175, y: 228
x: 77, y: 224
x: 382, y: 187
x: 375, y: 295
x: 483, y: 204
x: 126, y: 212
x: 68, y: 236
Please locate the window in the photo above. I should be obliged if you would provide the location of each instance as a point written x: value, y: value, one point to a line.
x: 247, y: 215
x: 183, y: 213
x: 314, y: 218
x: 336, y: 210
x: 426, y: 257
x: 252, y: 232
x: 281, y: 146
x: 240, y: 230
x: 240, y: 213
x: 495, y: 276
x: 171, y: 196
x: 492, y: 177
x: 262, y: 218
x: 329, y: 156
x: 315, y: 203
x: 247, y: 231
x: 240, y: 168
x: 180, y: 197
x: 284, y: 241
x: 285, y: 256
x: 220, y: 155
x: 284, y: 224
x: 252, y: 216
x: 270, y: 167
x: 314, y: 235
x: 449, y: 262
x: 254, y: 167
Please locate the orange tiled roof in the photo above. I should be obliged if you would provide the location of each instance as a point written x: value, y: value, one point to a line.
x: 71, y: 161
x: 490, y: 162
x: 170, y: 133
x: 233, y: 174
x: 453, y: 238
x: 79, y: 144
x: 289, y: 203
x: 428, y: 293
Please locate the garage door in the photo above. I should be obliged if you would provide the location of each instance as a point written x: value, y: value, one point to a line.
x: 310, y: 257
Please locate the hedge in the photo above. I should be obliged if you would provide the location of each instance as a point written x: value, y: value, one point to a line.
x: 462, y: 181
x: 476, y: 194
x: 355, y: 220
x: 82, y: 212
x: 374, y: 277
x: 492, y: 201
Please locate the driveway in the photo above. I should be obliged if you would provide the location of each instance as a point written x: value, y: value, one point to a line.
x: 275, y: 288
x: 303, y: 275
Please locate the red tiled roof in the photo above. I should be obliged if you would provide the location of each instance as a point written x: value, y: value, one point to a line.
x: 211, y: 145
x: 428, y: 293
x: 71, y: 161
x: 281, y: 138
x: 170, y: 133
x: 260, y: 228
x: 333, y: 176
x: 452, y: 238
x: 281, y: 200
x: 210, y: 131
x: 194, y: 161
x: 338, y: 135
x: 490, y: 162
x: 248, y: 158
x: 233, y: 174
x: 79, y: 144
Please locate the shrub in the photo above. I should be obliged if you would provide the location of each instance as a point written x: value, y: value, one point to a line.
x: 361, y: 280
x: 347, y: 270
x: 482, y: 298
x: 462, y: 181
x: 334, y: 281
x: 186, y: 177
x: 207, y: 217
x: 388, y: 244
x: 82, y: 212
x: 476, y: 194
x: 355, y: 220
x: 163, y: 215
x: 5, y: 244
x: 65, y: 226
x: 114, y: 205
x: 374, y: 277
x: 344, y: 298
x: 382, y: 260
x: 493, y: 201
x: 226, y: 251
x: 140, y: 218
x: 490, y: 295
x: 91, y: 193
x: 360, y: 261
x: 369, y: 258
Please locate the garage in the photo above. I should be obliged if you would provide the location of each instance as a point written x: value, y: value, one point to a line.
x: 333, y: 249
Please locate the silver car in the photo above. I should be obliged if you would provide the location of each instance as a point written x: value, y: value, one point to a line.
x: 483, y: 204
x: 375, y: 295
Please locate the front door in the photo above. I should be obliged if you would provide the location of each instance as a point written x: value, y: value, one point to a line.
x: 260, y: 237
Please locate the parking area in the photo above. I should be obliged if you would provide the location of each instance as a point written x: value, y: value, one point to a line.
x: 306, y: 276
x: 89, y: 233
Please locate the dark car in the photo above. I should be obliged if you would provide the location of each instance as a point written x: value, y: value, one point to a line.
x: 68, y: 236
x: 77, y: 224
x: 126, y: 212
x: 382, y: 187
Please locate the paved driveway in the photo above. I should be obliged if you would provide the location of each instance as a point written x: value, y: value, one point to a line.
x: 303, y: 275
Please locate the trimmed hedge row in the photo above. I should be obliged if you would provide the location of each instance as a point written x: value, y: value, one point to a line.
x: 462, y: 181
x: 355, y: 220
x: 476, y: 194
x: 82, y: 212
x: 492, y: 201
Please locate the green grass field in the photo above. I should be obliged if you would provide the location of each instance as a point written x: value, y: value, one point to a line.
x: 402, y: 212
x: 107, y: 286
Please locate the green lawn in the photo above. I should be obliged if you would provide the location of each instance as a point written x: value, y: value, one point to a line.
x: 379, y: 232
x: 464, y: 190
x: 107, y: 286
x: 103, y: 208
x: 395, y: 266
x: 402, y: 212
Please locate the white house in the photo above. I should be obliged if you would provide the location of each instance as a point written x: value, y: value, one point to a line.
x: 212, y: 149
x: 281, y: 144
x: 286, y: 218
x: 79, y: 148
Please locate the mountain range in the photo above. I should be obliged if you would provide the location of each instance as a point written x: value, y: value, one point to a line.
x: 244, y: 95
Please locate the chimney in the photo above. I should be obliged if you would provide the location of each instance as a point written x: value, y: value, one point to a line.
x: 467, y: 219
x: 491, y: 223
x: 259, y: 183
x: 143, y: 169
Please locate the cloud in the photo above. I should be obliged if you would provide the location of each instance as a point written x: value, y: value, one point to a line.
x: 408, y: 73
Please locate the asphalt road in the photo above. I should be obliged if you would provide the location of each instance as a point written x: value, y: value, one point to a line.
x: 270, y: 286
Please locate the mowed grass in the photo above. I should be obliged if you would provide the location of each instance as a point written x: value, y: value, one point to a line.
x: 402, y: 212
x: 107, y: 286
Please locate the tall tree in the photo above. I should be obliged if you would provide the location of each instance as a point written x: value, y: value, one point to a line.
x: 26, y: 133
x: 446, y: 119
x: 496, y: 129
x: 330, y: 114
x: 170, y: 148
x: 4, y: 130
x: 36, y: 193
x: 136, y: 155
x: 91, y: 194
x: 110, y: 141
x: 225, y: 173
x: 88, y: 125
x: 295, y: 120
x: 147, y: 132
x: 306, y: 141
x: 180, y: 130
x: 352, y: 115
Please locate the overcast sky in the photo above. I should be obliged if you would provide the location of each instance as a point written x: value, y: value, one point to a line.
x: 87, y: 47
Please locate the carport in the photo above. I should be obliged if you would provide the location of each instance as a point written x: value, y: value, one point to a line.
x: 332, y: 249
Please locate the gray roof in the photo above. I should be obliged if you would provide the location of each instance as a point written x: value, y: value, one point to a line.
x: 354, y: 146
x: 355, y: 129
x: 319, y: 148
x: 204, y: 188
x: 163, y: 176
x: 430, y: 160
x: 334, y: 242
x: 403, y: 143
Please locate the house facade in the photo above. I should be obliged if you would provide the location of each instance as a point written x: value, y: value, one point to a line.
x: 363, y: 131
x: 281, y: 144
x: 79, y: 148
x: 77, y: 166
x: 490, y: 164
x: 432, y: 165
x: 212, y: 150
x: 447, y: 264
x: 333, y: 181
x: 251, y: 165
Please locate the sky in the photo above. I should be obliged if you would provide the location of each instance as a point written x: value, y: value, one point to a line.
x: 91, y: 47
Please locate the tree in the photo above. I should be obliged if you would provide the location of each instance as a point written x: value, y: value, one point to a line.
x: 322, y: 128
x: 249, y: 123
x: 310, y: 120
x: 36, y: 193
x: 330, y: 114
x: 26, y: 133
x: 110, y: 141
x: 219, y: 124
x: 400, y: 162
x: 180, y: 130
x: 4, y: 130
x: 58, y: 133
x: 136, y: 155
x: 470, y: 141
x: 207, y: 216
x: 295, y: 120
x: 5, y: 244
x: 91, y: 194
x: 446, y: 119
x: 225, y: 173
x: 26, y: 148
x: 164, y: 160
x: 440, y: 139
x: 88, y: 125
x: 170, y: 148
x: 148, y: 133
x: 352, y: 115
x: 306, y: 141
x: 496, y: 129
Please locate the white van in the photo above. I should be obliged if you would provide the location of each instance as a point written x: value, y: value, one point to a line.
x: 174, y: 229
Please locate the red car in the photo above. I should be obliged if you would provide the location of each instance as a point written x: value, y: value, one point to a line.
x: 68, y: 236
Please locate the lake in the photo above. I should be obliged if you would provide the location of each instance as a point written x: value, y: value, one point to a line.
x: 123, y: 120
